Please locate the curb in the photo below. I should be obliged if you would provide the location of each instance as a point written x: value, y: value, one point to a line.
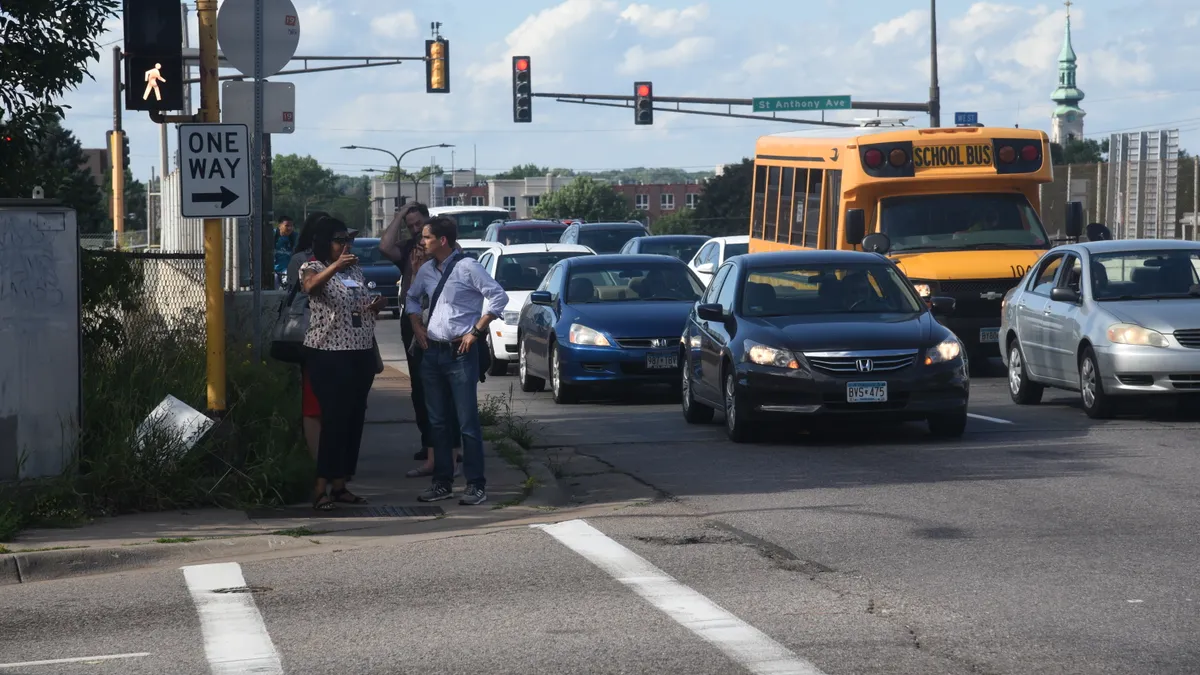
x: 19, y: 568
x: 549, y: 492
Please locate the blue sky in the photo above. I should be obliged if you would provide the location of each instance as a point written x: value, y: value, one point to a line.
x: 1139, y: 65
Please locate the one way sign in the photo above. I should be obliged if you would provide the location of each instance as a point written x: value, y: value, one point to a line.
x: 215, y: 162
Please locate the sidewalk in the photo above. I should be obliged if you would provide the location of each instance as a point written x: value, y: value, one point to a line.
x: 389, y: 441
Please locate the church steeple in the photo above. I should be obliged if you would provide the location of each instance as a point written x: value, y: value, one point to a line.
x: 1067, y: 119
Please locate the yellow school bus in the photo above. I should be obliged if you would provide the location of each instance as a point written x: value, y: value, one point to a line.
x: 958, y: 205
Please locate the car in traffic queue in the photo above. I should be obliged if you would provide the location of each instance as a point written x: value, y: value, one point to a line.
x: 603, y: 237
x: 472, y: 221
x: 682, y: 246
x: 810, y: 336
x: 605, y: 321
x: 509, y: 232
x: 715, y: 253
x: 382, y: 275
x: 475, y: 248
x: 519, y: 269
x: 1112, y: 320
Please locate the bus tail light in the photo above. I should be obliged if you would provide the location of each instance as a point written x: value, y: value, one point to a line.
x: 873, y: 158
x: 898, y: 157
x: 887, y: 160
x: 1007, y: 155
x: 1018, y: 155
x: 1030, y: 153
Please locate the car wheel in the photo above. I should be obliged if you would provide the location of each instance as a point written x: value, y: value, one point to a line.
x: 563, y: 393
x: 529, y: 383
x: 950, y: 425
x: 1022, y: 390
x: 693, y: 412
x: 497, y: 367
x: 1097, y: 404
x: 735, y: 412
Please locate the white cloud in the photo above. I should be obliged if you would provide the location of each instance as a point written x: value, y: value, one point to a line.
x: 319, y: 26
x: 904, y: 26
x: 544, y: 34
x: 1112, y: 66
x: 650, y: 21
x: 985, y: 18
x: 639, y: 60
x: 395, y: 26
x: 777, y: 57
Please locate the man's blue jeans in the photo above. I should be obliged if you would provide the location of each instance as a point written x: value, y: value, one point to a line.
x: 451, y: 390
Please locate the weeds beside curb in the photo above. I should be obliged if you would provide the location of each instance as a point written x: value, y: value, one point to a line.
x: 512, y: 437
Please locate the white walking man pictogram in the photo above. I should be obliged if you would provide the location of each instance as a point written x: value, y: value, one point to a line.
x: 153, y: 77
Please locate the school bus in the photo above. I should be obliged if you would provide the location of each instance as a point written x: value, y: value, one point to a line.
x: 958, y: 207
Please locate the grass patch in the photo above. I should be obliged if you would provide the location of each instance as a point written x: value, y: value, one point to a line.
x: 298, y: 532
x: 4, y: 549
x: 47, y: 548
x: 513, y: 454
x: 498, y: 413
x: 133, y: 357
x: 527, y: 489
x: 175, y: 540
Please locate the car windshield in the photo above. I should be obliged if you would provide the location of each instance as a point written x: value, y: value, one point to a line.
x: 524, y: 271
x: 633, y: 282
x: 608, y: 240
x: 732, y: 250
x: 368, y: 253
x: 1146, y: 275
x: 684, y: 250
x: 550, y: 234
x: 474, y: 224
x: 827, y: 289
x: 961, y: 222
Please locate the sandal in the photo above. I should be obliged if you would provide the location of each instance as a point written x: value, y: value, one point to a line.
x: 324, y: 503
x: 419, y: 472
x: 346, y: 497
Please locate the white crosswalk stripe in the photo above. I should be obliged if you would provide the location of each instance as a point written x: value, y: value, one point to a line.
x: 236, y: 641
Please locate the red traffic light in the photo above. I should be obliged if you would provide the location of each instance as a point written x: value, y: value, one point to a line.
x: 643, y: 90
x: 522, y: 65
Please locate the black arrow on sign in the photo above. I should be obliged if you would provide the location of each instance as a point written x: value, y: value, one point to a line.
x: 225, y: 196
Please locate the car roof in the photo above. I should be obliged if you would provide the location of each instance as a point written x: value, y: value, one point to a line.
x: 1122, y: 245
x: 813, y: 257
x: 736, y: 239
x: 614, y: 225
x: 443, y: 210
x: 532, y: 224
x: 367, y: 240
x: 673, y: 237
x: 513, y: 249
x: 622, y: 259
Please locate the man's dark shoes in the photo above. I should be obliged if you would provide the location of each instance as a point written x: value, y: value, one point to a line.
x: 474, y: 495
x: 421, y: 455
x: 436, y: 493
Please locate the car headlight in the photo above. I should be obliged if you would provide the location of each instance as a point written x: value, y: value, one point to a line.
x: 770, y: 356
x: 511, y: 317
x: 923, y: 289
x: 1133, y: 334
x: 947, y: 350
x: 582, y: 335
x: 371, y: 284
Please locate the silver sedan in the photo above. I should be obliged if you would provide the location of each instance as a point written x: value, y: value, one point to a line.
x: 1108, y: 319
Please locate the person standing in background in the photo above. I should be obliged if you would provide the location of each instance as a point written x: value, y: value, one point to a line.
x: 310, y: 408
x: 286, y: 240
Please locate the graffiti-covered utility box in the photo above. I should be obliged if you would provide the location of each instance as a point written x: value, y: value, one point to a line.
x: 40, y: 342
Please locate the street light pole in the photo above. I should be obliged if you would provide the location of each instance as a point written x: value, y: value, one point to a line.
x: 398, y: 160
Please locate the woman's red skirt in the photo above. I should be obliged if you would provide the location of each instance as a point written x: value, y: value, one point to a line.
x: 308, y: 406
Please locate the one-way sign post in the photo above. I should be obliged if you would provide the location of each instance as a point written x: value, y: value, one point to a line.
x: 215, y: 162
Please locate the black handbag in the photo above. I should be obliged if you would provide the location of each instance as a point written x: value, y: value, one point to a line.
x: 481, y: 351
x: 291, y: 325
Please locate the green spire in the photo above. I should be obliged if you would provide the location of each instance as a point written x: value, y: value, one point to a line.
x: 1067, y: 95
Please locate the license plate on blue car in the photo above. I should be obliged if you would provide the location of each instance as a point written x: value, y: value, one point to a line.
x: 662, y: 361
x: 866, y: 392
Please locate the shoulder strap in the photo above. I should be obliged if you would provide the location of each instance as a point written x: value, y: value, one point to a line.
x: 437, y: 292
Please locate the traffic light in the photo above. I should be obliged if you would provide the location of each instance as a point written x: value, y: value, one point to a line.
x: 437, y: 66
x: 643, y: 103
x: 522, y: 90
x: 153, y: 55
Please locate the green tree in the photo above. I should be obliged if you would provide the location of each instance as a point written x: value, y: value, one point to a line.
x: 676, y: 222
x: 531, y: 171
x: 45, y: 50
x: 55, y: 162
x: 300, y: 185
x: 135, y: 202
x: 724, y: 206
x: 1079, y: 151
x: 585, y: 198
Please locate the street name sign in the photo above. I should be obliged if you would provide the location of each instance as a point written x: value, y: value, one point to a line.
x: 966, y: 118
x: 236, y: 34
x: 793, y: 103
x: 215, y: 162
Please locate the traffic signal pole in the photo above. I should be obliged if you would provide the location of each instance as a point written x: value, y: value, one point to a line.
x: 214, y: 250
x: 116, y: 155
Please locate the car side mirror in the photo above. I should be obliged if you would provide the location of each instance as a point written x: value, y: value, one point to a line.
x: 705, y: 268
x: 877, y: 243
x: 1064, y: 295
x: 711, y: 312
x: 856, y: 226
x: 541, y: 298
x: 1074, y: 224
x: 941, y: 305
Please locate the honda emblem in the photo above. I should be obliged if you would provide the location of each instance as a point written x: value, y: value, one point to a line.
x: 864, y: 365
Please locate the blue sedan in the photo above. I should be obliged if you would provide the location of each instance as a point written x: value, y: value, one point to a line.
x: 605, y: 321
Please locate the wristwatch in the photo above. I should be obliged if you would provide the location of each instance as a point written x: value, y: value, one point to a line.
x: 479, y: 334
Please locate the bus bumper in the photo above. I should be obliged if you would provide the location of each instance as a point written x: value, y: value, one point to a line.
x: 979, y: 335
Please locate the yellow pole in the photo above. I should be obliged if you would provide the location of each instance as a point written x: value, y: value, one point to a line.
x: 116, y: 153
x: 214, y: 250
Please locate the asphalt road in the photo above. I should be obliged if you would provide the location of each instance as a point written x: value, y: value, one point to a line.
x: 1041, y: 542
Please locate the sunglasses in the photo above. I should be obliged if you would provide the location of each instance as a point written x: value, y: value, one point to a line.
x: 342, y: 239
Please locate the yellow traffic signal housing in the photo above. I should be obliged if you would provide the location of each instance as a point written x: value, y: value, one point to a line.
x: 437, y: 66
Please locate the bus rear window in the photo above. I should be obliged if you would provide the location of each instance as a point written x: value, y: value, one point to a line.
x: 961, y: 222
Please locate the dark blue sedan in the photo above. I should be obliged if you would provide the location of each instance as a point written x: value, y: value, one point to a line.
x: 381, y: 274
x: 682, y: 246
x: 598, y: 322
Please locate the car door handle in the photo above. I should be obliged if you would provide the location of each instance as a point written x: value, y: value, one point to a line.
x: 1047, y: 310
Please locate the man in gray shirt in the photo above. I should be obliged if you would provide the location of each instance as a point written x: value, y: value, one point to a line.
x: 459, y: 314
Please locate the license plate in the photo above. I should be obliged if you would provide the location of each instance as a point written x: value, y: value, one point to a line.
x: 866, y: 392
x: 661, y: 361
x: 989, y: 335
